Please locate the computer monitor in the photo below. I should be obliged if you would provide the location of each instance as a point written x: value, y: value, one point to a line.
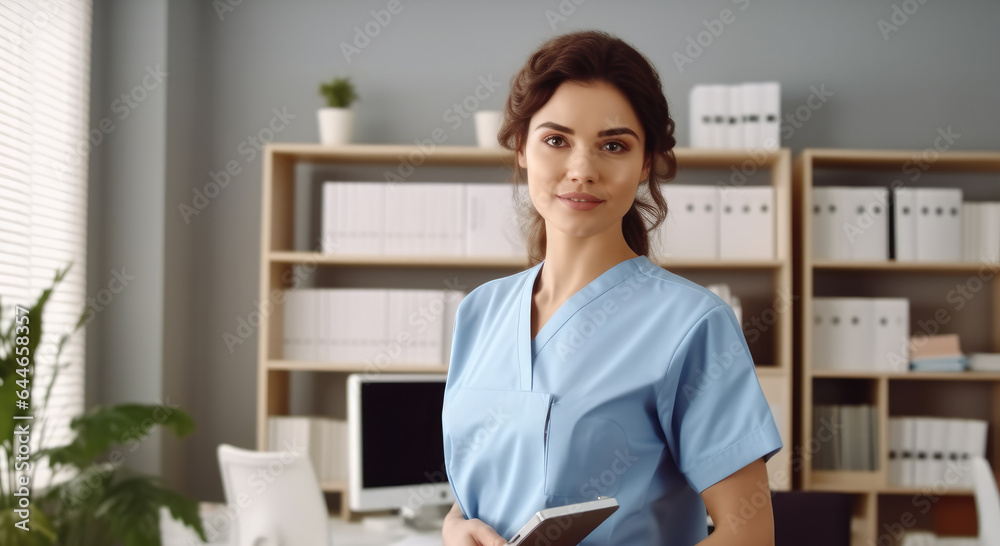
x: 396, y: 453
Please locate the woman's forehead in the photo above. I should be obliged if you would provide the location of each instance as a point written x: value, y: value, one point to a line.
x: 587, y: 109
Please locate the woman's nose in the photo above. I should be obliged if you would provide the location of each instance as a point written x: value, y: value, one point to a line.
x: 582, y: 166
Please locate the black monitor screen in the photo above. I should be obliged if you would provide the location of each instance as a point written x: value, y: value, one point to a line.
x: 401, y: 433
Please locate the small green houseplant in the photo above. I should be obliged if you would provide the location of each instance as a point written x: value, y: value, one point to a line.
x: 336, y: 121
x: 101, y: 502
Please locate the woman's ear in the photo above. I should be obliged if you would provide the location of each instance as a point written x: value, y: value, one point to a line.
x: 521, y: 159
x: 645, y: 168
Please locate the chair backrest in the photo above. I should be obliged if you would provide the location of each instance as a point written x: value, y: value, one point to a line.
x: 987, y: 501
x: 274, y: 498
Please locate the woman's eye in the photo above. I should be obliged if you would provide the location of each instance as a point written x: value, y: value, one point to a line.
x: 618, y: 146
x: 558, y: 140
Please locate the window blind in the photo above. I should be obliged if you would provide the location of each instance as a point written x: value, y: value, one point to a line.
x: 44, y: 114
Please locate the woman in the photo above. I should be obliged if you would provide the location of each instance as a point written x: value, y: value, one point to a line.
x: 596, y: 372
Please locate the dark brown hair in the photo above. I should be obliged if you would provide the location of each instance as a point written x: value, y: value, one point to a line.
x: 586, y: 57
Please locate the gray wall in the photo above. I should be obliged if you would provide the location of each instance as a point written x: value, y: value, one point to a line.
x: 163, y: 337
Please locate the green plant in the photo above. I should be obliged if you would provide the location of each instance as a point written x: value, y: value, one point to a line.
x: 100, y: 501
x: 339, y: 93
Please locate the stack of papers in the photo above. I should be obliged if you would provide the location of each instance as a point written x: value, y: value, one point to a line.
x: 937, y: 354
x: 984, y: 362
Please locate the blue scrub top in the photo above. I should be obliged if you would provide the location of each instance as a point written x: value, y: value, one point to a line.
x: 640, y: 387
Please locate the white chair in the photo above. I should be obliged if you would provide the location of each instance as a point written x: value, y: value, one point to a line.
x: 274, y: 498
x: 987, y: 502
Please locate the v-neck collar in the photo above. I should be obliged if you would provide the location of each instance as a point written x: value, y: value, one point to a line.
x: 528, y: 348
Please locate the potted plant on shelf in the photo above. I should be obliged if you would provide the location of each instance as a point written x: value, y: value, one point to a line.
x: 99, y: 501
x: 336, y: 121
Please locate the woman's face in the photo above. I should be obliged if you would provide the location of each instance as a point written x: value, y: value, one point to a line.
x: 586, y: 140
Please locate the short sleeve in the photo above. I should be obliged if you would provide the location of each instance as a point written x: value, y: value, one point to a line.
x: 711, y: 407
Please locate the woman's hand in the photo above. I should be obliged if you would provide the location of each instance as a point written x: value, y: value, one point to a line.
x: 458, y: 531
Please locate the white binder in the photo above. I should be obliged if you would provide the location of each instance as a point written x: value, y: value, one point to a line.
x: 895, y: 450
x: 491, y: 221
x: 923, y: 467
x: 892, y: 334
x: 719, y: 111
x: 953, y: 474
x: 867, y: 228
x: 701, y: 118
x: 734, y: 127
x: 370, y: 213
x: 905, y: 224
x: 691, y: 228
x: 445, y: 218
x: 939, y: 224
x: 938, y: 448
x: 770, y: 124
x: 829, y: 217
x: 854, y: 336
x: 752, y: 112
x: 746, y: 223
x: 330, y: 241
x: 908, y: 455
x: 822, y: 343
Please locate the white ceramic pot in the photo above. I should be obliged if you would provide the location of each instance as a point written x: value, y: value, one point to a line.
x: 487, y: 127
x: 336, y: 125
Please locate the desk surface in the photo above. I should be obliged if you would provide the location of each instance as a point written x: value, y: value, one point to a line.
x: 344, y: 533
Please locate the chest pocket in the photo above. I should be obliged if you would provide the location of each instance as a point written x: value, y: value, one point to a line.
x: 494, y: 444
x: 587, y: 452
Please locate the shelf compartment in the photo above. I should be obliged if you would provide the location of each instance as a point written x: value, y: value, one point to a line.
x: 951, y: 161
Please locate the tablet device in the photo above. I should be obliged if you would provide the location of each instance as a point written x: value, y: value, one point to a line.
x: 564, y: 525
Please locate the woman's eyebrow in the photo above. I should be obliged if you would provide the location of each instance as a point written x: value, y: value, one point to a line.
x: 606, y: 132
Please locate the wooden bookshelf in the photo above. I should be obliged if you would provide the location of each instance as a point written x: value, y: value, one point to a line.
x: 279, y: 256
x: 855, y: 278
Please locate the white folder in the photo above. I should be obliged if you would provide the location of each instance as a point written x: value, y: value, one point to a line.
x: 290, y: 314
x: 822, y: 342
x: 691, y: 228
x: 970, y: 231
x: 908, y: 457
x: 369, y: 215
x: 891, y: 327
x: 954, y: 475
x: 938, y: 449
x: 330, y: 241
x: 867, y: 228
x: 770, y: 123
x: 939, y: 224
x: 829, y: 218
x: 701, y: 118
x: 719, y: 110
x: 491, y: 224
x: 746, y: 223
x: 975, y: 443
x: 923, y: 467
x: 752, y: 112
x: 905, y: 224
x: 854, y: 336
x: 734, y: 127
x: 444, y: 216
x: 895, y: 451
x: 988, y: 240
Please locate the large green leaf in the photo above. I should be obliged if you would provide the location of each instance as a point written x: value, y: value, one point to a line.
x: 104, y: 426
x: 29, y: 333
x: 132, y: 511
